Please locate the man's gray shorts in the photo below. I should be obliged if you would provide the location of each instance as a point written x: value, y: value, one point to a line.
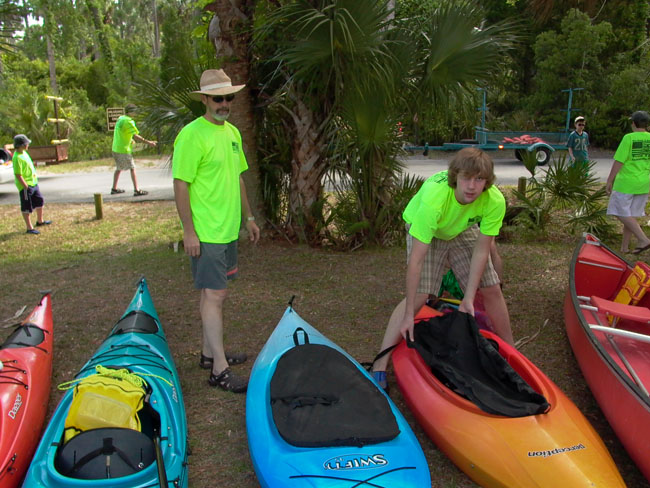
x: 123, y: 161
x: 215, y: 266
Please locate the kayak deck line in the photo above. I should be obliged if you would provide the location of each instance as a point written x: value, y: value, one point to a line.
x: 355, y: 481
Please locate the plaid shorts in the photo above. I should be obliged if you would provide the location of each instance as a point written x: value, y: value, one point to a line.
x: 455, y: 254
x: 123, y: 161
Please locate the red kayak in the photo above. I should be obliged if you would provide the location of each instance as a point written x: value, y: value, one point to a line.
x: 25, y: 375
x: 554, y: 448
x: 608, y: 323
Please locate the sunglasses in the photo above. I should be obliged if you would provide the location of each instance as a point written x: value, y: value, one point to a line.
x: 580, y: 125
x: 220, y: 98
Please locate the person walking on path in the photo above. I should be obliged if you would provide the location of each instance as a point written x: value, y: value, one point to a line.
x: 211, y: 199
x: 577, y: 144
x: 123, y: 136
x: 451, y: 223
x: 628, y: 183
x: 27, y: 183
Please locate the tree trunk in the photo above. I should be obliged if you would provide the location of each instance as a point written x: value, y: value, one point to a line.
x: 156, y: 30
x: 307, y: 169
x: 104, y: 45
x: 230, y: 34
x: 50, y: 59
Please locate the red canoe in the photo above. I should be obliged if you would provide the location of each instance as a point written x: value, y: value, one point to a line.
x: 25, y: 376
x: 558, y: 448
x: 610, y: 338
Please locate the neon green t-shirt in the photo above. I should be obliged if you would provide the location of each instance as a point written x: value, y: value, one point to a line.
x: 210, y: 158
x: 24, y: 166
x: 435, y: 212
x: 123, y: 134
x: 634, y: 153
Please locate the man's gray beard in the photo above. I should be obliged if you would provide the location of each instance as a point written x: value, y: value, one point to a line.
x: 221, y: 118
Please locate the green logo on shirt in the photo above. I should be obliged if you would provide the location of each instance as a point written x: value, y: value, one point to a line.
x: 473, y: 220
x: 640, y: 150
x: 235, y: 147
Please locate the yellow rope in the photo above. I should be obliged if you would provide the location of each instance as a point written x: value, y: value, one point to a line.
x: 123, y: 374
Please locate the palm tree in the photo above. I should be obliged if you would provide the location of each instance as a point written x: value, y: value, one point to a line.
x: 342, y: 71
x: 324, y: 50
x: 10, y: 22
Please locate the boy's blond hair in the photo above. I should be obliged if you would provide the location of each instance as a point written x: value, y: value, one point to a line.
x: 471, y: 162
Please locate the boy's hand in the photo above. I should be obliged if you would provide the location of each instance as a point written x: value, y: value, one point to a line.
x: 406, y: 329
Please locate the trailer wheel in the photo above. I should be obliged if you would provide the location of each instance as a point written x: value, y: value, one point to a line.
x: 542, y: 155
x: 519, y: 155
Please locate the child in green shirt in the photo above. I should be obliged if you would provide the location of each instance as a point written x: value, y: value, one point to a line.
x: 27, y: 183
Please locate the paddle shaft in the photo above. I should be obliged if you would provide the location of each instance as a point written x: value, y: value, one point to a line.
x: 162, y: 473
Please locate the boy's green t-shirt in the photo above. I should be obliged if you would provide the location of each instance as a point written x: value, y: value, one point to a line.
x: 634, y: 153
x: 24, y: 166
x: 123, y: 134
x: 210, y: 158
x: 435, y: 212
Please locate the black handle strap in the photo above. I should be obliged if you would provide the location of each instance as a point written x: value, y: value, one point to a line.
x: 296, y: 341
x: 369, y: 365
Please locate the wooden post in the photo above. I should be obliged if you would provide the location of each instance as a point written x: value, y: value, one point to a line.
x: 521, y: 185
x: 99, y: 210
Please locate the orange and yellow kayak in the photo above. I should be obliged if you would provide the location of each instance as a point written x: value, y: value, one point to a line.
x: 555, y: 449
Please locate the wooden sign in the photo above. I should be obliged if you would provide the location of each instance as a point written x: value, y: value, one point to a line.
x: 112, y: 114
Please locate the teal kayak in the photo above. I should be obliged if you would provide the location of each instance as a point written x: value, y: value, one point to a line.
x: 154, y: 454
x: 316, y: 419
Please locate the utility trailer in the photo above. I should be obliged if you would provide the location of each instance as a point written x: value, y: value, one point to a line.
x: 539, y: 144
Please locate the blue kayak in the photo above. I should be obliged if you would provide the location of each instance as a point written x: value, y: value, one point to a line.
x: 316, y: 418
x: 155, y: 454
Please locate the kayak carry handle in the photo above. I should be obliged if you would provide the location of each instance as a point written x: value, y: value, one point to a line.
x: 296, y: 341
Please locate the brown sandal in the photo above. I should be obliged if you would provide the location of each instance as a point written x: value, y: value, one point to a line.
x: 229, y: 381
x: 233, y: 358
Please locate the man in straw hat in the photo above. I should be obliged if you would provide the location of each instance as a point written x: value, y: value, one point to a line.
x: 211, y: 198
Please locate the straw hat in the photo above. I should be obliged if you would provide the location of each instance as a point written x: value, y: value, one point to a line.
x: 215, y: 82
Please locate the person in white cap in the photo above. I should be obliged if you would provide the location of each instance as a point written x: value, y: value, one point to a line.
x: 211, y: 200
x: 577, y: 144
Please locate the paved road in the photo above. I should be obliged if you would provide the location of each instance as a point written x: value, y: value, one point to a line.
x: 80, y: 187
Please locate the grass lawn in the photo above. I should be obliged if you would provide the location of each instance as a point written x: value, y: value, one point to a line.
x: 92, y: 267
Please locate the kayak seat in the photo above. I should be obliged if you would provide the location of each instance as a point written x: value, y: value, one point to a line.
x: 468, y: 364
x: 633, y: 288
x: 319, y: 398
x: 24, y: 336
x: 622, y: 310
x: 136, y: 321
x: 105, y: 453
